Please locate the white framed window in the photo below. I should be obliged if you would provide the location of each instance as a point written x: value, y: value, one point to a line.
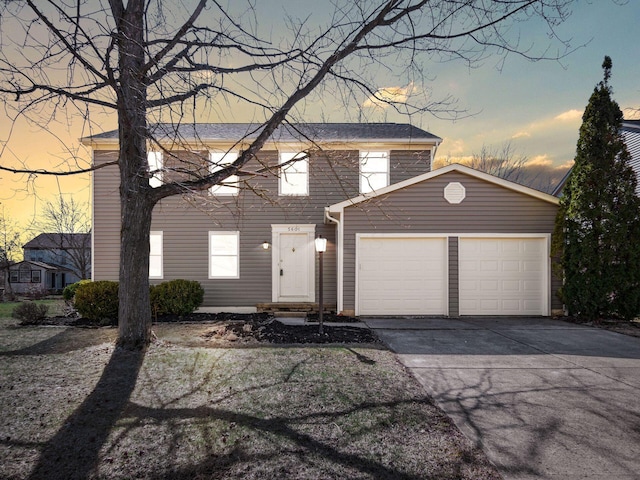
x: 374, y: 171
x: 154, y: 159
x: 217, y: 161
x: 155, y: 255
x: 224, y: 254
x: 294, y: 177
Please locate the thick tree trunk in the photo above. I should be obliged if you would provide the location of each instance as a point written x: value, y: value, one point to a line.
x: 134, y: 322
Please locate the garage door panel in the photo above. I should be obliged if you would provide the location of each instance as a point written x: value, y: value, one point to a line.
x: 503, y: 276
x: 402, y: 276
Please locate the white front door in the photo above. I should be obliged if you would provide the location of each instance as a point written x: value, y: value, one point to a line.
x: 293, y: 263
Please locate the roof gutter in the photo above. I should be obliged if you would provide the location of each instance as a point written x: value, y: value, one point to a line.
x: 339, y: 257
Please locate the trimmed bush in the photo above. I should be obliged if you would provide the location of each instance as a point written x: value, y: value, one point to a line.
x: 30, y: 313
x: 98, y: 301
x: 176, y: 297
x: 70, y: 290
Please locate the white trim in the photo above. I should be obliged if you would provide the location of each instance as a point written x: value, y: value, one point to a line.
x: 409, y: 143
x: 547, y: 264
x: 339, y: 207
x: 229, y: 233
x: 276, y: 231
x: 445, y: 253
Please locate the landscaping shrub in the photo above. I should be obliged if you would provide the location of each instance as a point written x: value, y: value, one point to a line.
x: 98, y: 301
x: 30, y: 313
x: 176, y: 297
x: 70, y: 290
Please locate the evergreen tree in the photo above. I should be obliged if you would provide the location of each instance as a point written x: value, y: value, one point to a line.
x: 598, y: 224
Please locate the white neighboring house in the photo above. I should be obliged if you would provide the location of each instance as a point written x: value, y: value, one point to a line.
x: 51, y: 262
x: 631, y: 134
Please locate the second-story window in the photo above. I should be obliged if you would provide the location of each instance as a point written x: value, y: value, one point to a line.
x: 155, y: 168
x: 294, y: 174
x: 374, y: 171
x: 219, y: 160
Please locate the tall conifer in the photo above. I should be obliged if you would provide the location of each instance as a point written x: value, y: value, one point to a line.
x: 597, y: 237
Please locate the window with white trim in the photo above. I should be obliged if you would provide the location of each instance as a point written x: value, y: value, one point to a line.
x: 218, y: 161
x: 224, y: 254
x: 155, y: 255
x: 294, y: 176
x: 154, y: 159
x: 374, y: 171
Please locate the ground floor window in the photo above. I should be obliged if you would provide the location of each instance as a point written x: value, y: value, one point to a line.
x: 155, y: 255
x: 224, y: 254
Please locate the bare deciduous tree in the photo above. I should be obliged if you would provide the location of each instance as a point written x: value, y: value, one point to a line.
x: 505, y: 162
x: 10, y: 248
x: 153, y: 64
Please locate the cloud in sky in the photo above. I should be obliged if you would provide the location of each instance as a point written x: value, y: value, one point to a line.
x: 568, y: 118
x: 386, y: 95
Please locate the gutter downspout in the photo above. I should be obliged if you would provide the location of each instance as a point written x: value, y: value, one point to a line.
x: 339, y: 258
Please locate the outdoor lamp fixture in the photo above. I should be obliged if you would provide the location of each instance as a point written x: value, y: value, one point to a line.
x: 266, y: 245
x: 321, y: 247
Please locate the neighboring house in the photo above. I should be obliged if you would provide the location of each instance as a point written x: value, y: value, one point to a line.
x: 33, y: 277
x: 402, y: 239
x: 71, y: 252
x: 631, y: 134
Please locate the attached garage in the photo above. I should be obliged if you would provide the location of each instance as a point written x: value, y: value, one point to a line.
x: 451, y: 242
x: 401, y: 275
x: 503, y: 276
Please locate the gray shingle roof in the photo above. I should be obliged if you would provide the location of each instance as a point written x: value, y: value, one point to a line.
x: 287, y: 132
x: 58, y: 240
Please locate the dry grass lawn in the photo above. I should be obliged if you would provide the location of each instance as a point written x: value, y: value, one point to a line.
x: 74, y: 407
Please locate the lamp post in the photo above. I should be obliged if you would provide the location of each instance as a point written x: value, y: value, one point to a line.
x: 321, y: 247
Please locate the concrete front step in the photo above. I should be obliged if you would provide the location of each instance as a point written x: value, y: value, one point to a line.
x: 299, y: 308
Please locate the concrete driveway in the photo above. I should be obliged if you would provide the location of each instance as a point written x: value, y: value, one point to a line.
x: 543, y: 398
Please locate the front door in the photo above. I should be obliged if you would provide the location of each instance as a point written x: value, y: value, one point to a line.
x: 294, y: 263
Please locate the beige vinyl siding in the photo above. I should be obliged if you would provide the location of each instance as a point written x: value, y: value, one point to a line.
x: 487, y: 208
x: 454, y: 277
x: 106, y: 217
x: 187, y: 221
x: 405, y: 164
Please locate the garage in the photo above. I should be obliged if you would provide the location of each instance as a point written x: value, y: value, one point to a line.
x: 504, y: 276
x: 401, y: 275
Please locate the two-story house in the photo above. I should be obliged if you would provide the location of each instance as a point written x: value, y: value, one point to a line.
x: 402, y: 239
x: 51, y: 262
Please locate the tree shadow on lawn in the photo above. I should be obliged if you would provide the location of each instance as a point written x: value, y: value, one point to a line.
x: 73, y: 452
x: 67, y: 340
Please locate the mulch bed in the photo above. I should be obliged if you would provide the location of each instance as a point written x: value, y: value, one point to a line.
x: 255, y: 328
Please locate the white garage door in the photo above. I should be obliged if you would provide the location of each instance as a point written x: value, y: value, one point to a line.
x: 503, y: 276
x: 401, y: 276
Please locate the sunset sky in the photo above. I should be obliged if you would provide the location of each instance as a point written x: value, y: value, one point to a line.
x: 537, y: 106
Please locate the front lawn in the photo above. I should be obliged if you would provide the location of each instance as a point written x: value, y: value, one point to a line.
x: 75, y: 407
x: 55, y: 307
